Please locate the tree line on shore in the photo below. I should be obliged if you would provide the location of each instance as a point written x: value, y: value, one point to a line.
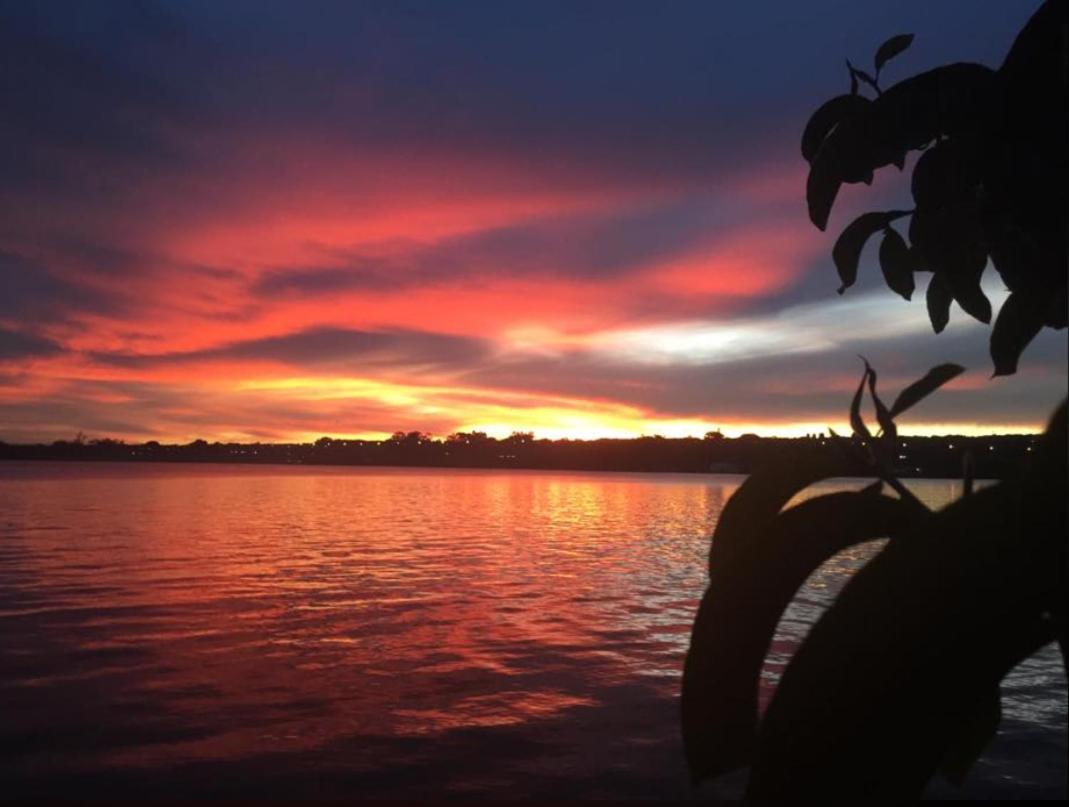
x: 993, y: 456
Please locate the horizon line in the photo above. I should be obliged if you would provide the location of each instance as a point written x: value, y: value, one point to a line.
x: 826, y: 435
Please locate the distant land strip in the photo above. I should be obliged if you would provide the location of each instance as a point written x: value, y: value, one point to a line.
x: 992, y: 457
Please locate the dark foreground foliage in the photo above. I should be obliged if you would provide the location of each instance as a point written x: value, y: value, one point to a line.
x: 990, y: 181
x: 899, y: 679
x: 900, y: 676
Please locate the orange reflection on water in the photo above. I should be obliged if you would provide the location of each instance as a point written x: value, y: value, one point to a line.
x: 158, y: 615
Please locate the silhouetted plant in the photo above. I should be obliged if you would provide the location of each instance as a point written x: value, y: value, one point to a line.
x: 990, y: 181
x: 900, y: 676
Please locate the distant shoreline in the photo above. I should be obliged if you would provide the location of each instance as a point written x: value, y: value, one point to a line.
x: 991, y: 457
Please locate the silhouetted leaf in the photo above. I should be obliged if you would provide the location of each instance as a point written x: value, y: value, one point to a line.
x: 1057, y: 315
x: 847, y: 250
x: 1035, y: 97
x: 857, y: 423
x: 1018, y: 322
x: 949, y: 240
x: 896, y: 263
x: 973, y: 737
x: 918, y: 227
x: 863, y: 76
x: 952, y: 99
x: 761, y: 497
x: 946, y: 173
x: 972, y: 299
x: 826, y: 118
x: 1038, y: 46
x: 938, y: 299
x: 1028, y: 250
x: 923, y: 387
x: 1026, y: 173
x: 737, y: 620
x: 1022, y: 258
x: 848, y: 147
x: 821, y: 188
x: 883, y: 416
x: 891, y: 48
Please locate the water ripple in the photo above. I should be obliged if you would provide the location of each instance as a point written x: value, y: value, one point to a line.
x: 236, y: 631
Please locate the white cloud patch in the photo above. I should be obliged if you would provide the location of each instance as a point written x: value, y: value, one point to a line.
x: 802, y: 329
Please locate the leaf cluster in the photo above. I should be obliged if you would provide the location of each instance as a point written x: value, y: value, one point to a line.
x: 989, y: 183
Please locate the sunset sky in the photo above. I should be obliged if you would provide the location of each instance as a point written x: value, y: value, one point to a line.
x: 276, y: 221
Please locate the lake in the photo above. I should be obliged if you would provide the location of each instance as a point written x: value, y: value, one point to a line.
x: 282, y: 631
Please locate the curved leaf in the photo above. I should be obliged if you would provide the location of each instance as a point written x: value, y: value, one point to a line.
x: 826, y: 118
x: 863, y: 76
x: 950, y: 241
x: 918, y: 227
x: 737, y: 620
x: 849, y: 148
x: 1034, y: 78
x: 847, y: 250
x: 971, y: 298
x: 1027, y: 250
x: 891, y: 48
x: 972, y: 737
x: 883, y: 416
x: 1018, y: 322
x: 896, y: 263
x: 1038, y: 46
x: 857, y: 423
x: 821, y: 188
x: 938, y: 298
x: 761, y: 497
x: 915, y: 639
x: 922, y: 388
x: 1027, y: 181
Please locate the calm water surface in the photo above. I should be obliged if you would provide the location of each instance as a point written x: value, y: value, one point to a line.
x: 208, y: 630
